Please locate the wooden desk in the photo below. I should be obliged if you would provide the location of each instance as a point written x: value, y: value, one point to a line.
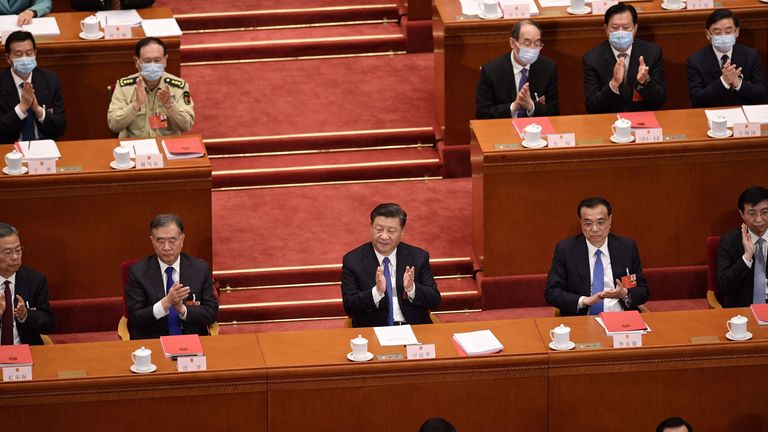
x: 230, y: 395
x: 667, y: 196
x: 87, y: 67
x: 77, y: 227
x: 463, y: 44
x: 716, y: 386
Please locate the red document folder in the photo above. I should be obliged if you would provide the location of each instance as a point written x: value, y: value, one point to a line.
x: 617, y: 322
x: 181, y: 345
x: 522, y: 122
x: 642, y: 119
x: 184, y: 145
x: 760, y: 311
x: 15, y: 355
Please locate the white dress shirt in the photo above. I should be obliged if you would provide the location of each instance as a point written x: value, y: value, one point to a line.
x: 719, y: 56
x: 754, y: 239
x: 12, y: 279
x: 157, y: 310
x: 396, y: 312
x: 616, y: 53
x: 609, y: 304
x: 22, y: 114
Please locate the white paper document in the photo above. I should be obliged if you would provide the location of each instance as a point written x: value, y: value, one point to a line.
x: 38, y: 149
x: 470, y: 7
x: 554, y: 3
x: 8, y: 22
x: 161, y: 27
x: 395, y: 335
x: 756, y: 113
x: 607, y: 333
x: 733, y: 115
x: 144, y: 146
x: 119, y: 17
x: 478, y: 342
x: 531, y: 5
x: 46, y: 26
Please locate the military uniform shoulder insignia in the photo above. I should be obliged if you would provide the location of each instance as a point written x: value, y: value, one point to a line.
x: 174, y: 82
x: 124, y: 82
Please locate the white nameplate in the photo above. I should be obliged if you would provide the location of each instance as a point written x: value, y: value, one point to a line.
x: 191, y: 364
x: 628, y: 340
x: 145, y: 161
x: 117, y: 32
x: 599, y: 7
x: 649, y: 135
x: 517, y: 11
x: 701, y: 4
x: 561, y: 140
x: 741, y: 130
x: 42, y: 166
x: 20, y: 373
x: 423, y: 351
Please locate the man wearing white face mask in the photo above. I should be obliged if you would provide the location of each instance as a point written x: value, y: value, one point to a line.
x: 520, y: 83
x: 725, y: 73
x: 31, y: 105
x: 623, y: 73
x: 152, y: 102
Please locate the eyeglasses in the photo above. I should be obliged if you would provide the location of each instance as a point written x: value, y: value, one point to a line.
x: 530, y: 44
x: 589, y: 224
x: 170, y: 242
x: 9, y: 252
x: 753, y: 214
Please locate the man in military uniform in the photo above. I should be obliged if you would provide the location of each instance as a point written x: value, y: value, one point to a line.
x: 151, y: 102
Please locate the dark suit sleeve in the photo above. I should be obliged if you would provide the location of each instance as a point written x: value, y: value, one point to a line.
x: 755, y: 90
x: 137, y: 301
x: 598, y: 97
x: 10, y: 123
x: 485, y: 99
x: 556, y: 292
x: 55, y: 123
x: 551, y: 106
x: 357, y: 298
x: 39, y: 316
x: 732, y: 271
x: 206, y: 313
x: 701, y: 93
x: 654, y: 92
x: 639, y: 294
x: 427, y: 296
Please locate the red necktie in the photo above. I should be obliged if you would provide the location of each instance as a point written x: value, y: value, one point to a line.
x: 6, y: 336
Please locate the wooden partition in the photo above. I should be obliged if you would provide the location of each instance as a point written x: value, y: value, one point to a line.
x: 77, y: 226
x: 669, y: 196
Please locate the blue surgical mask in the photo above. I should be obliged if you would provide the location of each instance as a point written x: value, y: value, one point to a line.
x: 528, y: 55
x: 24, y: 65
x: 621, y: 40
x: 723, y: 43
x: 152, y: 71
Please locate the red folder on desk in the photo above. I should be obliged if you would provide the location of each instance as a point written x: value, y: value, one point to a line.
x: 641, y: 119
x: 15, y: 355
x: 522, y: 122
x: 617, y: 322
x: 760, y: 311
x: 181, y: 345
x: 183, y: 148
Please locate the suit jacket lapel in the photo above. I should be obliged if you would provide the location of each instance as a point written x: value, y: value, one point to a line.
x: 403, y: 260
x: 616, y: 266
x: 155, y: 278
x: 509, y: 74
x: 583, y: 268
x: 22, y: 282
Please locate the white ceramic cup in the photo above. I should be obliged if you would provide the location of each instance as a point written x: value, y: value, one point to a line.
x: 142, y: 359
x: 13, y: 161
x: 90, y: 25
x: 122, y: 156
x: 737, y: 326
x: 672, y: 3
x: 719, y: 126
x: 490, y: 8
x: 622, y: 129
x: 577, y: 5
x: 560, y: 335
x: 359, y: 347
x: 532, y: 133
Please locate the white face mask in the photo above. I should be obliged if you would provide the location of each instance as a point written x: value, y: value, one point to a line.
x: 723, y: 43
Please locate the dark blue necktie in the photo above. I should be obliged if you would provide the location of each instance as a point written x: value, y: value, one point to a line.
x: 28, y: 125
x: 390, y: 311
x: 174, y: 322
x: 597, y: 284
x: 523, y: 80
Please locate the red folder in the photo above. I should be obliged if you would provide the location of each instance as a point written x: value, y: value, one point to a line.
x: 15, y: 355
x: 642, y: 119
x: 760, y: 311
x: 184, y: 145
x: 181, y: 345
x: 522, y: 122
x: 617, y: 322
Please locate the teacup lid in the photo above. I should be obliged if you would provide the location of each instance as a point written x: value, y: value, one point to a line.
x: 739, y: 318
x: 562, y: 328
x: 622, y: 121
x: 532, y: 126
x: 90, y: 19
x: 359, y: 339
x: 142, y: 351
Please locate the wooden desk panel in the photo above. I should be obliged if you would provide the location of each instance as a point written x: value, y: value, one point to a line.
x: 463, y: 44
x: 313, y: 386
x: 78, y: 227
x: 667, y: 196
x: 86, y: 68
x: 115, y: 399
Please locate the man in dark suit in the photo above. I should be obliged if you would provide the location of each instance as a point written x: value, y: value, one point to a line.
x: 386, y: 282
x: 595, y: 271
x: 30, y: 98
x: 725, y: 73
x: 520, y: 83
x: 24, y: 306
x: 170, y: 292
x: 623, y: 73
x: 741, y: 263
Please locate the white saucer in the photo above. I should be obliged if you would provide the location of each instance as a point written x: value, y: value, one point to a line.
x: 151, y: 369
x: 570, y: 346
x: 664, y: 5
x: 98, y: 35
x: 711, y: 135
x: 540, y: 144
x: 368, y: 356
x: 584, y: 11
x: 618, y: 140
x: 23, y: 171
x: 114, y: 165
x: 497, y: 16
x: 747, y: 336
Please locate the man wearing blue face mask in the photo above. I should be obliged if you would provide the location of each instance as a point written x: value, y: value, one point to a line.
x: 623, y: 73
x: 152, y: 102
x: 725, y: 73
x: 31, y: 105
x: 520, y: 83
